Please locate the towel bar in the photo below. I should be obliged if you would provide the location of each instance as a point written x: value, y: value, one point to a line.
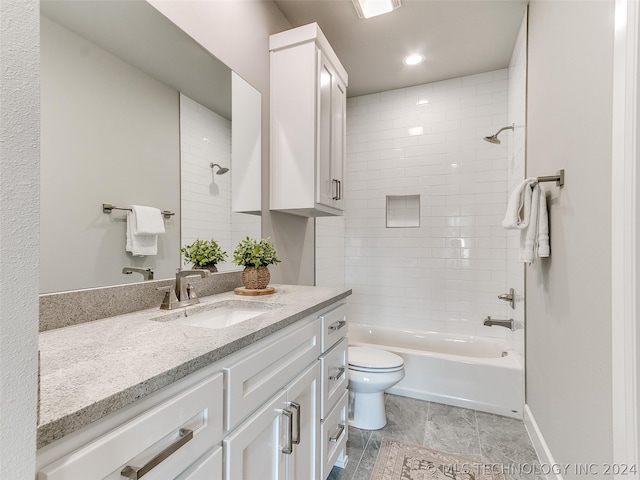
x: 559, y: 178
x: 108, y: 208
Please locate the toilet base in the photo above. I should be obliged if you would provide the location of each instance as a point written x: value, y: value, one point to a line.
x: 368, y: 411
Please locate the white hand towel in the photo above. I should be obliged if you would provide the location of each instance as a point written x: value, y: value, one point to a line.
x: 147, y: 220
x: 519, y: 207
x: 143, y: 219
x: 543, y: 226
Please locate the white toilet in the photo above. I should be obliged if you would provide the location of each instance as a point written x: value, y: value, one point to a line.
x: 371, y: 372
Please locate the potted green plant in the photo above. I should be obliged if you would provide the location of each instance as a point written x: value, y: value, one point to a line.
x: 204, y: 254
x: 255, y: 256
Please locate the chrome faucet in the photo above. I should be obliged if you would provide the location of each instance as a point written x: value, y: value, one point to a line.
x: 510, y: 324
x: 184, y: 293
x: 147, y: 273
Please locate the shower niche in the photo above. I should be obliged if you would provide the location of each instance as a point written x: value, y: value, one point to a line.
x: 403, y: 211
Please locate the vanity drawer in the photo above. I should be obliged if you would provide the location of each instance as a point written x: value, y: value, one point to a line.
x: 263, y: 372
x: 334, y: 325
x: 180, y: 430
x: 334, y: 431
x: 334, y: 375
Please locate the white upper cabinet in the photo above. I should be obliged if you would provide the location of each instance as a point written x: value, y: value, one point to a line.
x: 308, y: 109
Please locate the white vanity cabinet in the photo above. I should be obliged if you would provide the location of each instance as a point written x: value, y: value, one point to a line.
x: 308, y: 112
x: 260, y: 413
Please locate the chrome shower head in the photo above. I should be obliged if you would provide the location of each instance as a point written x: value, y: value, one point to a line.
x: 494, y: 138
x: 221, y: 170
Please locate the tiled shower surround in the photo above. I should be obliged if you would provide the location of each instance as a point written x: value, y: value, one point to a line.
x: 426, y: 140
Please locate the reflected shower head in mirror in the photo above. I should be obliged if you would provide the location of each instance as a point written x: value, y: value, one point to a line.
x: 221, y: 170
x: 494, y: 138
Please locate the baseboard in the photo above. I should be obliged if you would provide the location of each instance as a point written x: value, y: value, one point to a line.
x: 542, y: 449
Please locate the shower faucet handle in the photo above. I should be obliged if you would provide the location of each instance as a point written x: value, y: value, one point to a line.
x: 509, y: 297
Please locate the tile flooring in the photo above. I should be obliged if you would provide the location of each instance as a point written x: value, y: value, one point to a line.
x: 477, y: 435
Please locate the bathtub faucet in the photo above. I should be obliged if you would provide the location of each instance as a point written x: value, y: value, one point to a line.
x: 510, y: 324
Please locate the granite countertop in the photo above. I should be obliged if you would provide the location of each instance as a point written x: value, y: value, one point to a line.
x: 92, y: 369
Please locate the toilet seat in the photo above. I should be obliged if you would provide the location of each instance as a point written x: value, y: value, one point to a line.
x: 366, y: 359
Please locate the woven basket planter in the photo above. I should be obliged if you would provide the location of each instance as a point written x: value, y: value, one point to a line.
x: 211, y: 267
x: 256, y: 278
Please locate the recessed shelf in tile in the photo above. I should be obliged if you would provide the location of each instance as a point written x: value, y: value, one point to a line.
x: 403, y: 211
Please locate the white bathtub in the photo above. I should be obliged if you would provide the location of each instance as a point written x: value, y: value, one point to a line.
x: 465, y: 371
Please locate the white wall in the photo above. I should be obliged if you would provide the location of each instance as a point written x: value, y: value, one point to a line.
x: 446, y: 274
x: 568, y: 305
x: 19, y: 197
x: 110, y: 134
x: 515, y: 174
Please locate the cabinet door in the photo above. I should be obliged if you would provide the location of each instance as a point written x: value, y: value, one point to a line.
x: 326, y: 187
x: 303, y: 400
x: 338, y: 125
x: 254, y: 451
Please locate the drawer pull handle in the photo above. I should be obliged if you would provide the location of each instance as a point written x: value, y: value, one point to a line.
x: 338, y: 434
x: 138, y: 472
x: 296, y: 407
x: 288, y: 449
x: 337, y: 326
x: 337, y: 189
x: 337, y: 375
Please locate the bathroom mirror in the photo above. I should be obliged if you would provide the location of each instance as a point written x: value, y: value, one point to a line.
x: 112, y: 78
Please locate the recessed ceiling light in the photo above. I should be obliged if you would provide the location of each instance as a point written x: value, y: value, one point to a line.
x: 422, y: 102
x: 413, y: 59
x: 372, y: 8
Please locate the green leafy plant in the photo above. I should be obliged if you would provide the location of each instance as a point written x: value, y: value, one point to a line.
x: 254, y: 253
x: 203, y: 252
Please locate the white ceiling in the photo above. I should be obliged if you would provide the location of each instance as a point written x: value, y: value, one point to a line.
x: 457, y: 37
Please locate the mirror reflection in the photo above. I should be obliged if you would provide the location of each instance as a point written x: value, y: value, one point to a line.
x: 134, y: 112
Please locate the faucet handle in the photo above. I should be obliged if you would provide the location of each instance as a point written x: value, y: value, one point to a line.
x: 170, y: 298
x: 191, y: 292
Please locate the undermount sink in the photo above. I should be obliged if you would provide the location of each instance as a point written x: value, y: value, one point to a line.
x: 225, y: 314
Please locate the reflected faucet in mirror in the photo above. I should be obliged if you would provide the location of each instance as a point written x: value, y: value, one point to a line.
x: 184, y: 293
x: 147, y: 273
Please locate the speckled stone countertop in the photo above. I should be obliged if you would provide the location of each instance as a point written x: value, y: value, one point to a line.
x: 92, y: 369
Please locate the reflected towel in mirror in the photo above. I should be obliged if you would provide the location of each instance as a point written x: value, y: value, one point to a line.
x: 144, y: 224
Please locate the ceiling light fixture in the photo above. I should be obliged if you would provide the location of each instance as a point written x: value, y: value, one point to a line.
x: 372, y: 8
x: 413, y: 59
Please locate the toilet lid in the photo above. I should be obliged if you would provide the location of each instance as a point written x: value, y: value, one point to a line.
x: 366, y: 357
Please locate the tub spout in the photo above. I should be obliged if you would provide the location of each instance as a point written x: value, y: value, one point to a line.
x: 510, y: 324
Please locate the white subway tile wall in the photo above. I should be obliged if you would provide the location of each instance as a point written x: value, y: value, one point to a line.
x: 427, y: 140
x: 205, y: 138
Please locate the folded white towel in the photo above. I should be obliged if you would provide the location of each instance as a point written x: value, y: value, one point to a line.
x: 144, y: 224
x: 527, y: 211
x: 519, y: 206
x: 543, y: 226
x: 527, y: 252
